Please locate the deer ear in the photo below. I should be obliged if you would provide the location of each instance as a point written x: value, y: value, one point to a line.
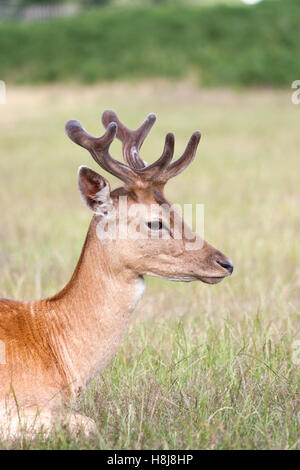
x: 95, y: 190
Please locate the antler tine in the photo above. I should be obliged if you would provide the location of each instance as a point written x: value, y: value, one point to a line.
x: 99, y: 149
x: 151, y: 172
x: 132, y: 140
x: 142, y: 132
x: 184, y: 161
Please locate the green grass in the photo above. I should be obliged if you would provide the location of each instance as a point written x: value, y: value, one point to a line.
x: 204, y: 367
x: 219, y: 44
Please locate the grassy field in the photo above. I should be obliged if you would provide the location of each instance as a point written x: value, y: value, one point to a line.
x: 202, y: 367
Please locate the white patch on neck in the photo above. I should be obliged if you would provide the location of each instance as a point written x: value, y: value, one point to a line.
x: 140, y: 287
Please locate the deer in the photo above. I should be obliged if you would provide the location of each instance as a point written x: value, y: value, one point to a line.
x: 56, y: 346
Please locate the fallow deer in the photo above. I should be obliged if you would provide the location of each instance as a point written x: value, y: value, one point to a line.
x: 55, y: 346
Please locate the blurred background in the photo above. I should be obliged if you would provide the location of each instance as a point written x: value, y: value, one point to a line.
x: 217, y: 42
x: 226, y: 68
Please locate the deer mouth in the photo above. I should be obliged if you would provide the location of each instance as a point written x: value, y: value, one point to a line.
x: 212, y: 280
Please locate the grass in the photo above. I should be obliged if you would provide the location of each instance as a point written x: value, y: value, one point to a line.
x: 202, y: 367
x: 172, y: 40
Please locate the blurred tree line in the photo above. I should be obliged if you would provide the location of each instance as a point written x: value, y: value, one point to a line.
x: 54, y: 2
x: 80, y: 2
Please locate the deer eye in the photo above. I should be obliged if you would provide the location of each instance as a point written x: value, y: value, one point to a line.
x: 155, y: 225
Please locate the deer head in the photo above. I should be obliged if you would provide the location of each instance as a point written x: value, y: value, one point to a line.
x: 152, y: 248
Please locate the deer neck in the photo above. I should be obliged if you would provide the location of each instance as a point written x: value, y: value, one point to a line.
x: 93, y: 310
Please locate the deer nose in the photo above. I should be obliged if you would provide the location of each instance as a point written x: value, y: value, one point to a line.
x: 226, y: 265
